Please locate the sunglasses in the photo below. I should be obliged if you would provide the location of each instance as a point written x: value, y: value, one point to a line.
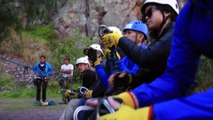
x: 149, y: 13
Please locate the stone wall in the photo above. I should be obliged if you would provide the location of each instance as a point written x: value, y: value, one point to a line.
x: 86, y: 15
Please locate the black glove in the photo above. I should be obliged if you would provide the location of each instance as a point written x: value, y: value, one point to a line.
x: 122, y: 80
x: 91, y: 53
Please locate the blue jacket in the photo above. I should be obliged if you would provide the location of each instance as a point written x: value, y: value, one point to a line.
x: 127, y: 65
x: 47, y: 71
x: 193, y: 37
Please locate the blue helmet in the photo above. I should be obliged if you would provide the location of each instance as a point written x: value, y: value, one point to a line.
x: 137, y: 25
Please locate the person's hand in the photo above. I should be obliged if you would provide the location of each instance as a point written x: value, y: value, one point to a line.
x: 107, y: 52
x: 111, y: 39
x: 88, y: 94
x: 127, y: 113
x: 114, y: 102
x: 91, y: 53
x: 36, y: 75
x: 120, y: 79
x: 126, y: 98
x: 98, y: 61
x: 67, y: 93
x: 74, y: 95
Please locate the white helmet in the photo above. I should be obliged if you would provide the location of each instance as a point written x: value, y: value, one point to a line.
x: 82, y: 60
x: 116, y: 29
x: 96, y: 47
x: 172, y: 3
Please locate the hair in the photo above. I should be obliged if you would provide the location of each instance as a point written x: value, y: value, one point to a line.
x: 67, y: 58
x: 168, y: 9
x: 163, y: 8
x: 43, y: 56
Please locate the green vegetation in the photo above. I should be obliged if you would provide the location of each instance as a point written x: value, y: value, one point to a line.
x: 72, y: 47
x: 8, y: 19
x: 40, y: 10
x: 53, y: 90
x: 6, y: 80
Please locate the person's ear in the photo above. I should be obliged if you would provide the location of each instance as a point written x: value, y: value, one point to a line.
x: 141, y: 36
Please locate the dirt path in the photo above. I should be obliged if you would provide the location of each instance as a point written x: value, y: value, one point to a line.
x: 25, y: 110
x: 35, y: 114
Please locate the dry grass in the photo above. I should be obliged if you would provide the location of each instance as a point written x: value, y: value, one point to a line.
x: 25, y: 46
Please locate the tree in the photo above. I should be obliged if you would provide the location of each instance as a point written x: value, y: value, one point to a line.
x: 40, y: 10
x: 8, y: 19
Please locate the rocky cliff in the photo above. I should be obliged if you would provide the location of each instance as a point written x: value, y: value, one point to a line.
x: 86, y: 15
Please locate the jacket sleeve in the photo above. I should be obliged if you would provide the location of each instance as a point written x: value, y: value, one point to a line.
x: 128, y: 66
x: 98, y: 89
x: 152, y: 55
x: 89, y: 79
x: 180, y: 73
x: 102, y: 75
x: 35, y: 68
x: 50, y: 70
x: 198, y: 106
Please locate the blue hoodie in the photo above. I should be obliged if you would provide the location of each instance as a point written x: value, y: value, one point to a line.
x: 41, y: 73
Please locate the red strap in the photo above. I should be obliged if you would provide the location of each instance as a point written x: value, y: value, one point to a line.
x: 150, y: 112
x: 133, y: 99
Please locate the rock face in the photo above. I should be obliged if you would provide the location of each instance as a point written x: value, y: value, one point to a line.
x: 86, y: 15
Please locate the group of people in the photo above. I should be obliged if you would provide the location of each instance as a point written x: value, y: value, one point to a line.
x: 146, y: 72
x: 43, y: 70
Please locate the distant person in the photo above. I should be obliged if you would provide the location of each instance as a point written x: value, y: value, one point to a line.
x: 42, y: 70
x: 67, y: 74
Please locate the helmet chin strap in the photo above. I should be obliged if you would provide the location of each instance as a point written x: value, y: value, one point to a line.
x: 165, y: 18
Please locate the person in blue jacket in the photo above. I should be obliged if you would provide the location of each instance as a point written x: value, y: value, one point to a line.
x: 104, y: 73
x: 136, y: 31
x: 42, y: 70
x: 193, y: 37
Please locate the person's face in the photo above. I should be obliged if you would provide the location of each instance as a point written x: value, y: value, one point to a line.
x: 82, y: 67
x: 42, y: 59
x: 66, y: 62
x: 130, y: 34
x: 153, y: 17
x: 134, y: 36
x: 99, y: 54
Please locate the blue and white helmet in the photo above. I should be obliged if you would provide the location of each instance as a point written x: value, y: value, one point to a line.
x: 137, y: 25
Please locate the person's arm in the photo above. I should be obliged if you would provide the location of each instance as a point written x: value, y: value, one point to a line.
x: 50, y: 71
x: 128, y: 66
x: 197, y: 106
x: 90, y: 78
x: 102, y: 75
x: 71, y: 69
x: 35, y: 68
x: 62, y: 70
x: 154, y: 54
x: 180, y: 73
